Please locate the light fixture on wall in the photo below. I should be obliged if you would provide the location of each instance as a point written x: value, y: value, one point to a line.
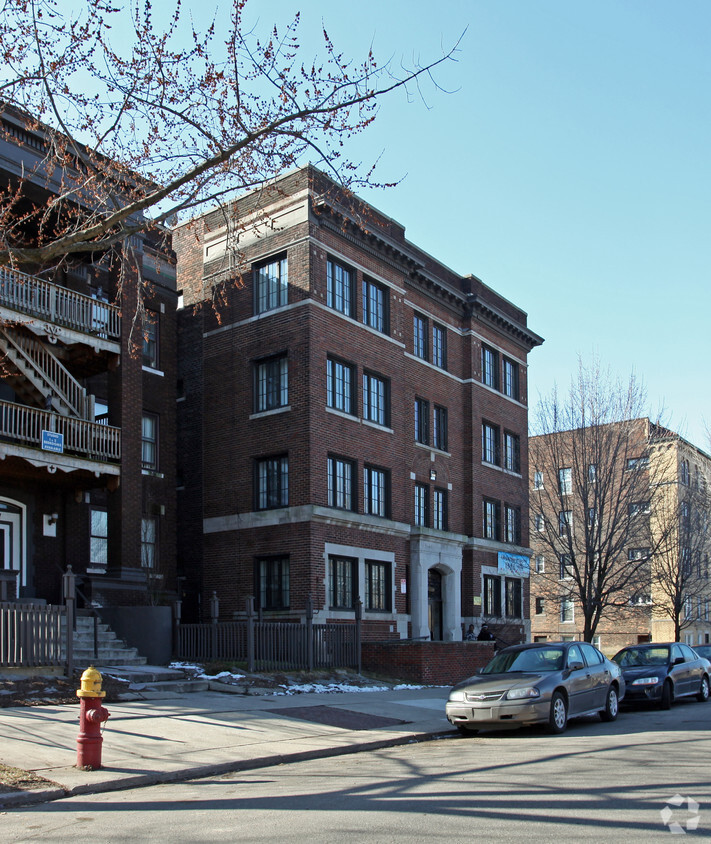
x: 53, y: 518
x: 433, y: 475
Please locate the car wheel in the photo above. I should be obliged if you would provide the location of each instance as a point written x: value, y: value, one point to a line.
x: 703, y: 694
x: 667, y: 696
x: 609, y: 713
x: 466, y: 731
x: 558, y: 718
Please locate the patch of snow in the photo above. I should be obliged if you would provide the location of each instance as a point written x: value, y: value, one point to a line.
x: 327, y: 688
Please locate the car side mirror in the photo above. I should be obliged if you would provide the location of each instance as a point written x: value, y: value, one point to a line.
x: 575, y: 666
x: 679, y: 660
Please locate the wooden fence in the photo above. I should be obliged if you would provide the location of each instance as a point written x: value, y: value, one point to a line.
x: 31, y: 635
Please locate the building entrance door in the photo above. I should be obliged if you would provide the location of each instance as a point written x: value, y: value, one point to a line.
x: 434, y: 594
x: 12, y: 541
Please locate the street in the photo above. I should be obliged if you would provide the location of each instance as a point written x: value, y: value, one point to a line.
x: 636, y: 778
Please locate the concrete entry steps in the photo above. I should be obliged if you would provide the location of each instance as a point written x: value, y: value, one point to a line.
x: 110, y: 649
x: 154, y: 681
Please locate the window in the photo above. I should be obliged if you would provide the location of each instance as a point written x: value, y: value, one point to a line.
x: 592, y: 473
x: 685, y: 476
x: 422, y: 495
x: 150, y: 339
x: 512, y: 452
x: 99, y: 538
x: 377, y: 585
x: 510, y: 378
x: 271, y: 285
x: 513, y: 589
x: 376, y: 491
x: 592, y: 655
x: 422, y: 421
x: 685, y: 516
x: 540, y: 564
x: 273, y: 583
x: 540, y: 606
x: 566, y: 567
x: 148, y: 543
x: 376, y: 399
x: 567, y: 611
x: 538, y: 480
x: 592, y: 517
x: 565, y: 481
x: 512, y: 524
x: 439, y: 346
x: 441, y: 507
x: 149, y: 441
x: 490, y: 443
x: 637, y: 462
x: 490, y: 367
x: 341, y: 477
x: 565, y: 522
x: 439, y: 428
x: 540, y: 522
x: 342, y: 582
x: 272, y: 482
x: 491, y: 519
x: 637, y: 508
x: 375, y: 306
x: 340, y: 386
x: 339, y: 288
x: 271, y: 378
x: 420, y: 337
x: 492, y: 595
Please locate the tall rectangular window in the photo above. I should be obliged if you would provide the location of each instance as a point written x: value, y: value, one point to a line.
x: 422, y: 500
x: 150, y: 339
x: 339, y: 288
x: 271, y: 285
x: 540, y: 564
x: 510, y: 378
x: 149, y: 441
x: 376, y: 399
x: 439, y: 428
x: 490, y: 443
x: 342, y: 582
x: 273, y: 586
x: 375, y: 306
x: 567, y: 612
x: 376, y: 491
x: 565, y: 481
x: 341, y: 479
x: 492, y: 595
x: 272, y: 482
x: 271, y: 378
x: 439, y: 346
x: 440, y: 514
x: 565, y: 522
x: 566, y: 567
x: 492, y: 517
x: 490, y: 367
x: 422, y: 421
x: 340, y: 386
x: 377, y: 585
x: 149, y: 542
x: 512, y: 452
x: 513, y: 588
x: 538, y: 479
x: 512, y: 524
x: 99, y: 538
x: 420, y: 337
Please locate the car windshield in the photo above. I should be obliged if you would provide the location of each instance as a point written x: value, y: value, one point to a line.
x: 531, y: 659
x: 633, y: 657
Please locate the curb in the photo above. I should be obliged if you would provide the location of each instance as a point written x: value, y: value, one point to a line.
x: 18, y: 799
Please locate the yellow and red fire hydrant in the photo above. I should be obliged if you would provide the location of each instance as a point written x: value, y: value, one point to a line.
x: 91, y: 716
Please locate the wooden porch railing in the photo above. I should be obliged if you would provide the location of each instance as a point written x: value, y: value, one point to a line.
x: 31, y: 295
x: 30, y: 635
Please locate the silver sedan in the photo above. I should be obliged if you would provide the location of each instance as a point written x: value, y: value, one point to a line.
x: 545, y: 682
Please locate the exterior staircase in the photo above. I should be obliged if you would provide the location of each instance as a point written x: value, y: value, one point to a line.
x: 110, y: 649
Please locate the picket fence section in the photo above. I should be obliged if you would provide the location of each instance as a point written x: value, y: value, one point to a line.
x: 30, y: 635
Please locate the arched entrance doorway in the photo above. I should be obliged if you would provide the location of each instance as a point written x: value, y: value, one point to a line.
x: 434, y: 600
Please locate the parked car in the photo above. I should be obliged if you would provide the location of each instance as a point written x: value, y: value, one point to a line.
x: 663, y: 672
x: 544, y: 682
x: 703, y: 650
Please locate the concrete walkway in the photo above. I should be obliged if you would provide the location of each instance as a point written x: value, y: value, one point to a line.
x: 207, y: 733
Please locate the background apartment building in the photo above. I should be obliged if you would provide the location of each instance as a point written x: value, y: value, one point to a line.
x: 353, y: 422
x: 87, y: 407
x: 641, y: 506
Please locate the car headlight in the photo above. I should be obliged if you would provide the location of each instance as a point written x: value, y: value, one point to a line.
x: 645, y: 681
x: 518, y: 694
x: 457, y: 696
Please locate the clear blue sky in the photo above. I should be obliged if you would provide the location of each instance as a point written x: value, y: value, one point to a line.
x: 569, y: 169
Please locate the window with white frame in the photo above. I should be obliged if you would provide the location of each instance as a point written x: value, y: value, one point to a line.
x: 567, y: 610
x: 565, y: 481
x: 540, y: 606
x: 340, y: 386
x: 566, y: 567
x: 538, y: 479
x: 540, y: 522
x: 565, y: 522
x: 149, y: 441
x: 339, y: 288
x: 540, y: 564
x: 271, y: 377
x: 271, y: 282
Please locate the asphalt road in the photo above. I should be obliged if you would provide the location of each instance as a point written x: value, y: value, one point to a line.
x: 634, y: 780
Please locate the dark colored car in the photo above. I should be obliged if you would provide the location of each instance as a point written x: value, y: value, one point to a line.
x: 663, y: 672
x: 703, y: 650
x: 540, y: 683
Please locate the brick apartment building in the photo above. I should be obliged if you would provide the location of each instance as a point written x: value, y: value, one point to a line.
x: 663, y: 542
x: 87, y: 410
x: 352, y: 422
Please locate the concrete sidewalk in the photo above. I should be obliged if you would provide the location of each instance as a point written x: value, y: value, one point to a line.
x: 208, y: 733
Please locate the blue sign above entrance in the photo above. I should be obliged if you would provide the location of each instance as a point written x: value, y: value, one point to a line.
x: 514, y: 565
x: 53, y: 441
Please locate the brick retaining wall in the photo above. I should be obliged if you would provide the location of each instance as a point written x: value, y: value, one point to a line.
x: 436, y: 663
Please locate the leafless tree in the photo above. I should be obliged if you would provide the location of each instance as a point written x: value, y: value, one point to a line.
x: 590, y: 502
x: 138, y: 130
